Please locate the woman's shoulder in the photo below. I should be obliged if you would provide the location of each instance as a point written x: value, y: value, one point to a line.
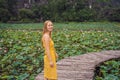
x: 45, y: 37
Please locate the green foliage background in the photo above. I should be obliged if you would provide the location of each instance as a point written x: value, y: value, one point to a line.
x: 60, y: 11
x: 109, y: 70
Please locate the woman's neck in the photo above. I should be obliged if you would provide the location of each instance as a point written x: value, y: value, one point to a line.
x: 48, y: 33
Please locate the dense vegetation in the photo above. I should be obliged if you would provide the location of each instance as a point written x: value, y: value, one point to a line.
x: 21, y: 53
x: 102, y: 26
x: 61, y: 10
x: 109, y: 70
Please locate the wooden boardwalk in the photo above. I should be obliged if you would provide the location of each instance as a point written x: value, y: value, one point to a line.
x: 81, y: 67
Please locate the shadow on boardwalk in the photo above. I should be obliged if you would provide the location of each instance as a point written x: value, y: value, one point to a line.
x: 81, y: 67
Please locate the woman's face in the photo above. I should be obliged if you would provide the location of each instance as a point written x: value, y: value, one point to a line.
x: 50, y: 26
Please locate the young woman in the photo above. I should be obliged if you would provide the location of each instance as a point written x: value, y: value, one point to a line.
x: 50, y: 56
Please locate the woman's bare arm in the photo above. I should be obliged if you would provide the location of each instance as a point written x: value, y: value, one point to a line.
x: 47, y: 48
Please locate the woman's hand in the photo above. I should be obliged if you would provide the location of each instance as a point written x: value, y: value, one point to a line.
x: 51, y: 64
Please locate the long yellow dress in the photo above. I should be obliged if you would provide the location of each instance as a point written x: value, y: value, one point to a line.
x: 50, y: 72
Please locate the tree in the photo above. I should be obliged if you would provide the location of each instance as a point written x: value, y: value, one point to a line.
x: 4, y: 13
x: 7, y: 9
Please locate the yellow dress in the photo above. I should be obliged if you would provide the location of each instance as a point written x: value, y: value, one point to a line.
x: 50, y: 72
